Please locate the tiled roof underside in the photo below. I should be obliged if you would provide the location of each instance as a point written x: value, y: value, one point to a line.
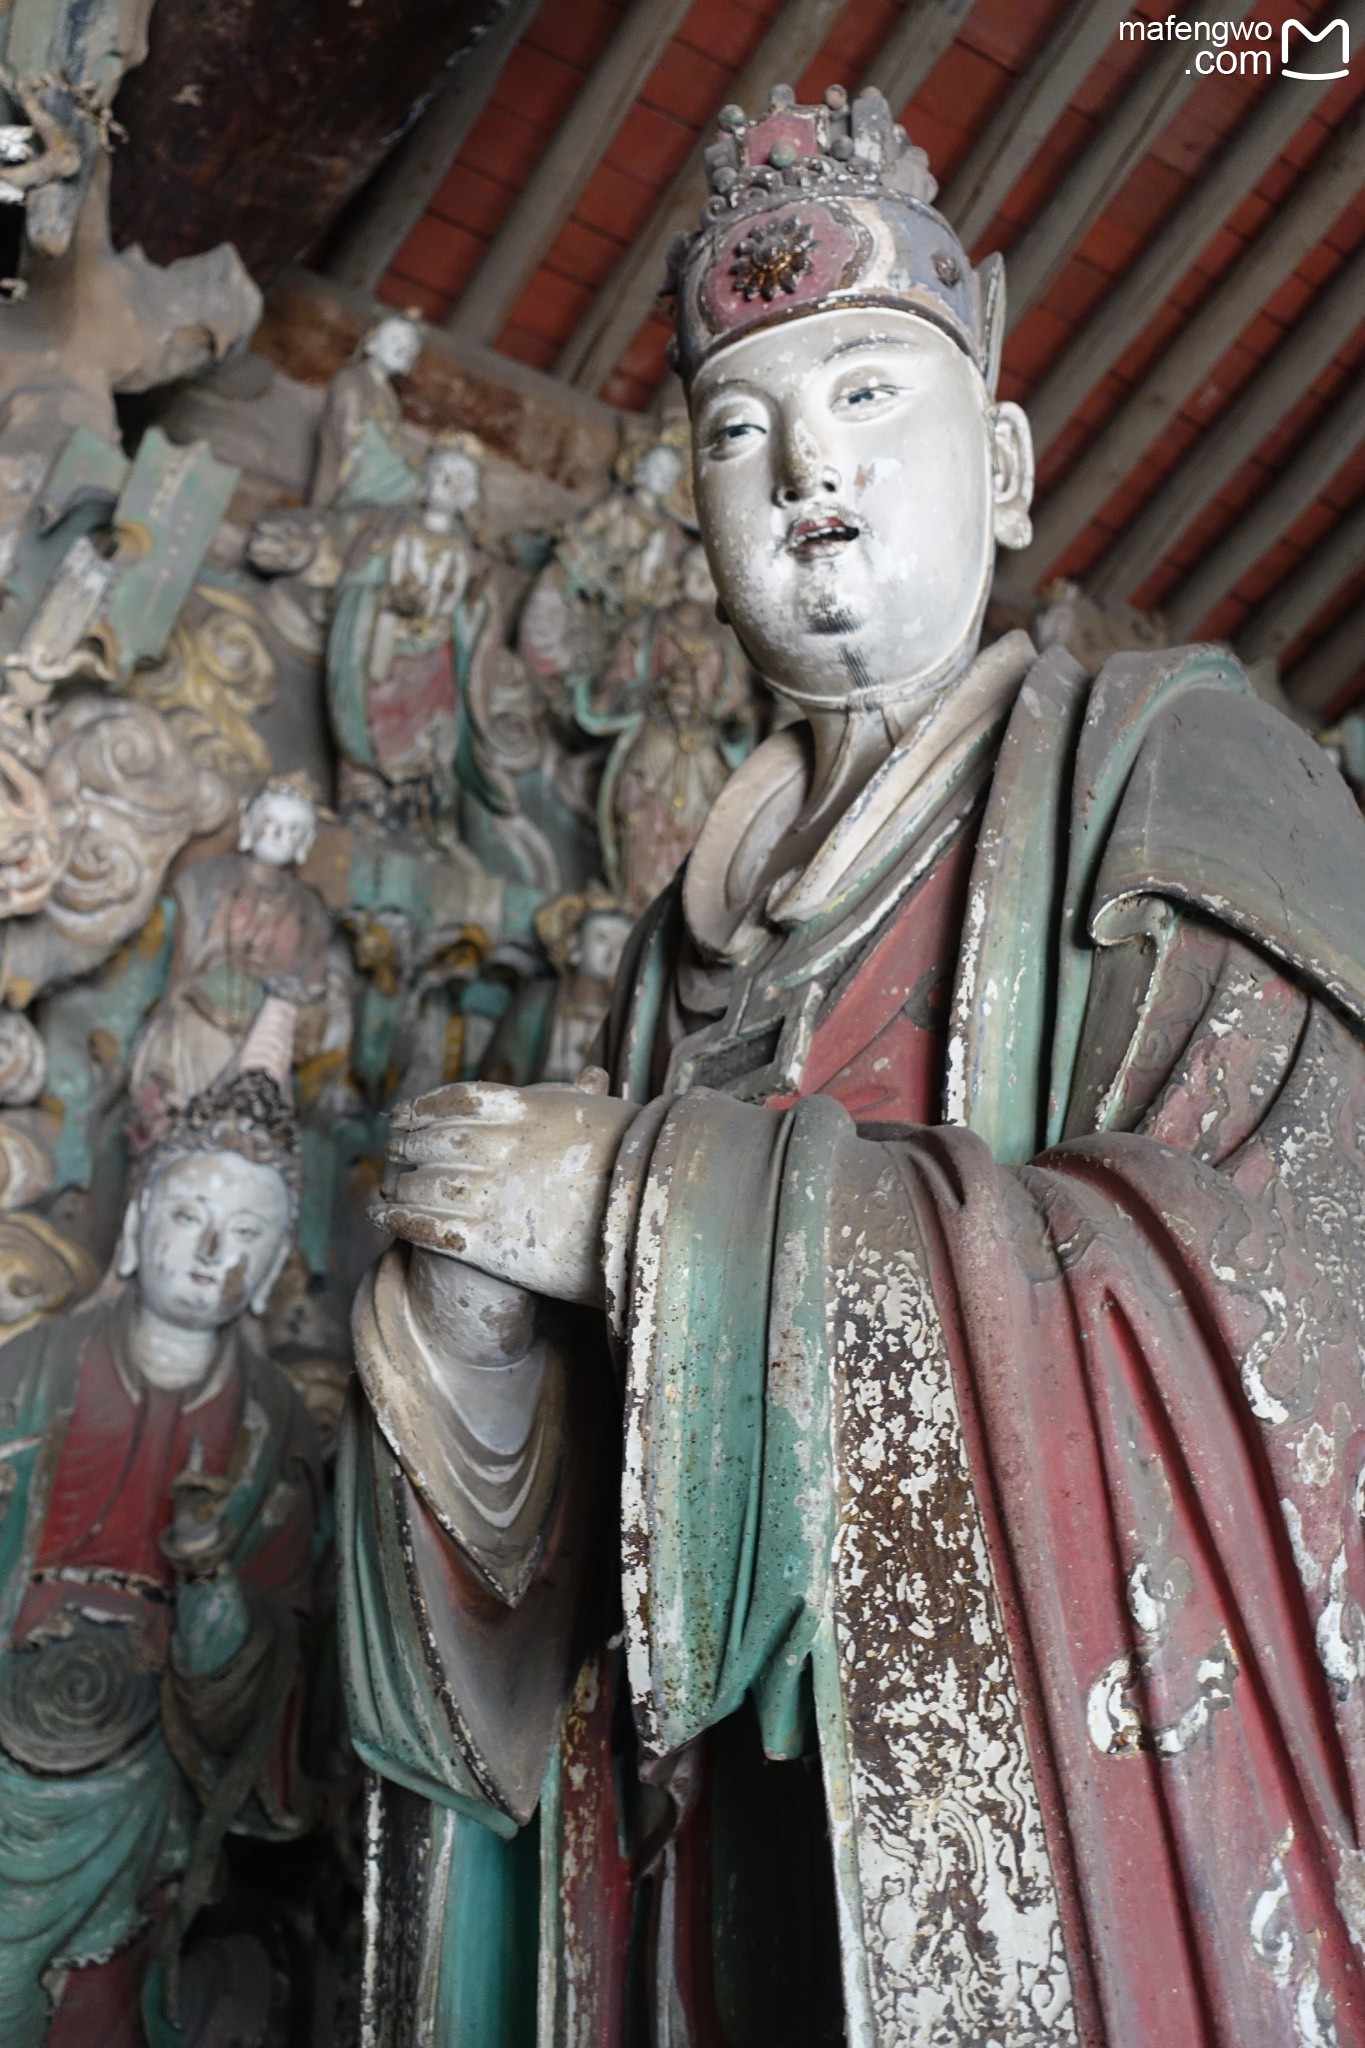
x: 993, y: 47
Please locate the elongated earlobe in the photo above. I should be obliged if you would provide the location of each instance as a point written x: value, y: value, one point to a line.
x: 1011, y: 475
x: 126, y: 1264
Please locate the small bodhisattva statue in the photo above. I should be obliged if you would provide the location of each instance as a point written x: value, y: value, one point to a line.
x: 975, y: 1215
x: 161, y: 1498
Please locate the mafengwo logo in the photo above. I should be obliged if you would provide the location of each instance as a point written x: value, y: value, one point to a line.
x: 1246, y: 48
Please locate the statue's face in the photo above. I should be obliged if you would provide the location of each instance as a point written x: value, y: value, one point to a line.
x: 601, y: 942
x: 852, y: 479
x: 281, y: 544
x: 658, y: 470
x: 211, y: 1235
x: 395, y: 345
x: 279, y: 827
x: 451, y: 481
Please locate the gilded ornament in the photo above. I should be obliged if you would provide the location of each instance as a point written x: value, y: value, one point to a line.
x: 770, y: 260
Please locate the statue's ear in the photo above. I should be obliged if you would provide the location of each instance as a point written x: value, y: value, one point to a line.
x: 1011, y: 475
x: 260, y: 1300
x: 126, y: 1264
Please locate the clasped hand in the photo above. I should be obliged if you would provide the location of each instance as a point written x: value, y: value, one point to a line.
x: 511, y: 1181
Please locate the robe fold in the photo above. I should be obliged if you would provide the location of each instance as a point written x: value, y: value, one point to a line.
x: 98, y: 1816
x: 989, y: 1278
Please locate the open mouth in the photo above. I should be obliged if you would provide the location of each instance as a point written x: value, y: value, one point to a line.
x: 812, y: 539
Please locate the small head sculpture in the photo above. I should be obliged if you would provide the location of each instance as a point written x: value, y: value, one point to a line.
x: 585, y: 934
x: 207, y: 1230
x: 394, y: 344
x: 601, y: 941
x: 283, y: 543
x: 853, y: 470
x: 658, y: 469
x: 451, y: 475
x: 280, y: 823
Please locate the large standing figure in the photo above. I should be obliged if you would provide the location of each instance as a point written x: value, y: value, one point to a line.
x: 976, y: 1217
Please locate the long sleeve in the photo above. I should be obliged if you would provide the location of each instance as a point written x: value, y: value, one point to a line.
x: 469, y: 1514
x: 1055, y: 1472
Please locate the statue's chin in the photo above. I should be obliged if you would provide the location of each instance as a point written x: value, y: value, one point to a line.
x: 855, y: 682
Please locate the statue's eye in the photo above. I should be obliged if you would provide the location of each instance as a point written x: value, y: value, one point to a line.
x: 186, y: 1217
x: 729, y: 436
x: 863, y: 397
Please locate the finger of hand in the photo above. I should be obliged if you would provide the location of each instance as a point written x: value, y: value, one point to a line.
x: 468, y: 1101
x: 420, y: 1227
x: 437, y: 1187
x: 451, y: 1144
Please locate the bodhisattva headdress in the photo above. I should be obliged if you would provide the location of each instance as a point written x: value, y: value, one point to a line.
x: 248, y: 1109
x: 819, y: 207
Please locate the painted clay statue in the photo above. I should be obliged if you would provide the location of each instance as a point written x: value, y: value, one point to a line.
x: 363, y: 392
x: 975, y: 1213
x: 679, y: 696
x: 621, y: 631
x: 161, y: 1494
x: 551, y: 1028
x: 619, y: 560
x: 402, y: 627
x: 141, y: 325
x: 246, y: 928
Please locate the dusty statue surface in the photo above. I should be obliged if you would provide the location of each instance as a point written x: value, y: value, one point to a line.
x: 162, y: 1497
x: 971, y: 1217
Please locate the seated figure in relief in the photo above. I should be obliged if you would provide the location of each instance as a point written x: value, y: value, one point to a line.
x: 973, y: 1210
x: 161, y: 1498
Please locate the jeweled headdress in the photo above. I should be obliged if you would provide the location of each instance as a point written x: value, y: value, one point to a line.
x: 248, y: 1110
x: 248, y: 1114
x: 815, y: 207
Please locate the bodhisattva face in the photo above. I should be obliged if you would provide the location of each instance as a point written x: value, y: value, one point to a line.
x: 395, y: 345
x: 207, y: 1240
x: 853, y: 478
x: 279, y: 827
x: 451, y: 481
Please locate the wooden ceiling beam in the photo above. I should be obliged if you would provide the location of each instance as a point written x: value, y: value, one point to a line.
x: 1300, y: 224
x: 311, y: 328
x: 1120, y: 143
x: 1291, y: 608
x: 1283, y: 502
x: 1277, y: 387
x: 385, y: 213
x: 576, y: 149
x: 1212, y: 197
x: 627, y: 299
x: 1026, y: 117
x: 922, y: 33
x: 1315, y: 683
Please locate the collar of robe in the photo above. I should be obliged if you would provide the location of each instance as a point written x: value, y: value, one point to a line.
x: 763, y: 799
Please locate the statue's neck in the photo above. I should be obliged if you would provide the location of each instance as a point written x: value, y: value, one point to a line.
x: 166, y: 1355
x: 849, y: 748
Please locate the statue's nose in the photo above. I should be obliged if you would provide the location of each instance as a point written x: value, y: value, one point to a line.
x: 210, y: 1242
x: 805, y: 466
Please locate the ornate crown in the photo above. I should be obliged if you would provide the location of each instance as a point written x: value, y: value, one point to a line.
x: 248, y: 1114
x: 813, y: 207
